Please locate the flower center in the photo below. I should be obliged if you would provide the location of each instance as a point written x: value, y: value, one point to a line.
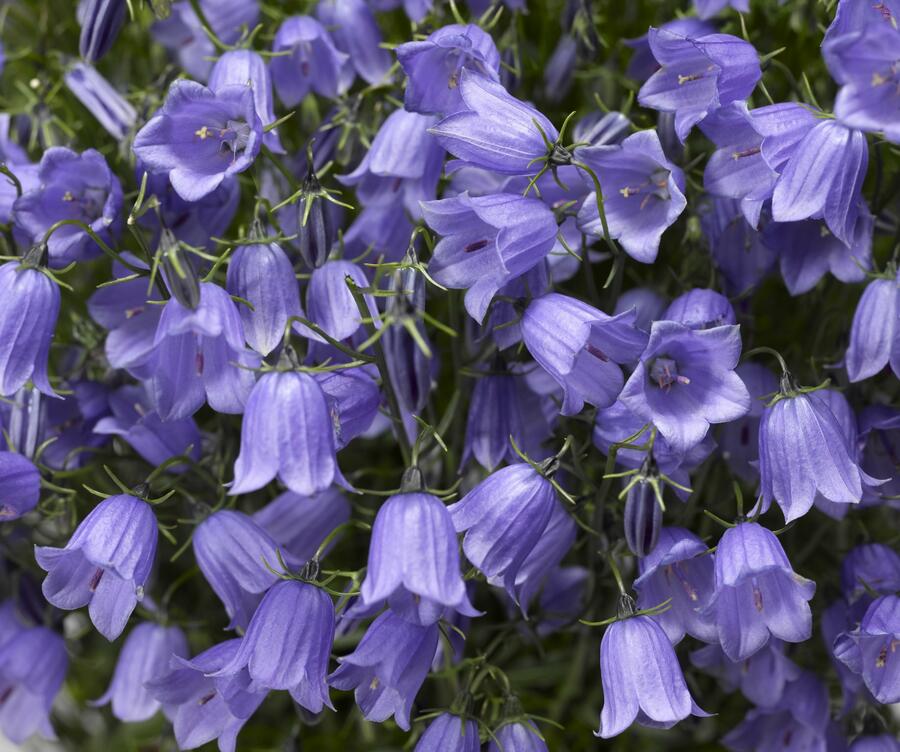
x: 656, y: 186
x: 233, y: 138
x: 664, y: 373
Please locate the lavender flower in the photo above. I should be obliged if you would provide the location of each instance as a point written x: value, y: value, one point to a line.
x: 20, y: 486
x: 202, y: 707
x: 871, y: 649
x: 642, y: 193
x: 434, y: 67
x: 233, y: 552
x: 517, y: 736
x: 388, y: 667
x: 739, y: 439
x: 757, y: 593
x: 875, y: 333
x: 287, y: 431
x: 700, y: 309
x: 112, y: 111
x: 697, y: 75
x: 201, y: 137
x: 71, y: 186
x: 100, y: 22
x: 144, y: 657
x: 449, y: 733
x: 299, y: 524
x: 314, y: 63
x: 685, y: 381
x: 581, y: 347
x: 710, y: 8
x: 353, y: 399
x: 642, y: 680
x: 355, y: 32
x: 105, y: 564
x: 487, y: 242
x: 288, y: 644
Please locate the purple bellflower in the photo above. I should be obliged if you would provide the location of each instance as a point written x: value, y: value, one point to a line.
x: 875, y: 333
x: 402, y: 164
x: 504, y: 517
x: 434, y: 67
x: 314, y: 63
x: 643, y: 64
x: 388, y: 667
x: 354, y: 399
x: 642, y: 680
x: 106, y: 563
x: 288, y: 432
x: 288, y: 644
x: 870, y: 567
x: 871, y: 651
x: 879, y: 743
x: 355, y: 32
x: 71, y: 186
x: 201, y: 137
x: 20, y: 486
x: 679, y: 569
x: 804, y: 450
x: 198, y: 355
x: 134, y: 420
x: 581, y: 348
x: 414, y: 559
x: 247, y: 68
x: 486, y: 242
x: 233, y: 552
x: 202, y: 707
x: 33, y: 665
x: 710, y: 8
x: 450, y: 733
x: 517, y: 737
x: 101, y: 99
x: 263, y: 275
x: 642, y: 518
x: 697, y: 75
x: 685, y: 381
x: 757, y: 593
x: 761, y: 678
x: 495, y: 131
x: 700, y: 309
x: 879, y: 433
x: 100, y: 22
x: 642, y: 193
x: 739, y: 439
x: 145, y: 656
x: 299, y: 524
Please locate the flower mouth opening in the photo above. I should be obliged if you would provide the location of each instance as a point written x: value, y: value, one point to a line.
x: 664, y: 373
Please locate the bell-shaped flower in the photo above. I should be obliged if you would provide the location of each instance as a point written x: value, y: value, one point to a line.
x: 685, y: 381
x: 450, y: 733
x: 299, y: 524
x: 233, y: 552
x: 642, y: 64
x: 517, y: 736
x: 642, y: 518
x: 287, y: 431
x: 102, y: 100
x: 803, y: 451
x: 581, y: 348
x: 823, y: 179
x: 739, y: 439
x: 71, y: 186
x: 387, y: 667
x: 198, y: 355
x: 879, y: 434
x: 135, y: 422
x: 353, y: 398
x: 680, y: 571
x: 643, y: 193
x: 355, y: 32
x: 309, y: 61
x: 20, y: 486
x: 871, y: 651
x: 145, y: 656
x: 247, y: 68
x: 263, y: 275
x: 201, y: 137
x: 757, y: 593
x: 100, y: 22
x: 434, y: 67
x: 495, y: 130
x: 288, y: 644
x: 871, y: 567
x: 106, y: 563
x: 642, y: 680
x: 33, y: 665
x: 403, y: 164
x: 486, y: 242
x: 875, y: 332
x: 761, y: 678
x: 697, y: 75
x: 204, y: 707
x: 700, y: 308
x: 414, y: 551
x: 504, y: 517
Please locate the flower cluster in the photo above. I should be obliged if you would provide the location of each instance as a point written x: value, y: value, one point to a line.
x: 401, y: 374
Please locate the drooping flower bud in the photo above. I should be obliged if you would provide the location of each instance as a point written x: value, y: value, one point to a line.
x: 643, y: 517
x: 179, y: 271
x: 100, y: 22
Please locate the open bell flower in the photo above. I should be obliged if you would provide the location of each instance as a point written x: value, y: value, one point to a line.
x: 875, y: 332
x: 201, y: 137
x: 871, y: 650
x: 20, y: 486
x: 105, y: 564
x: 757, y: 593
x: 642, y: 680
x: 450, y: 733
x: 309, y: 61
